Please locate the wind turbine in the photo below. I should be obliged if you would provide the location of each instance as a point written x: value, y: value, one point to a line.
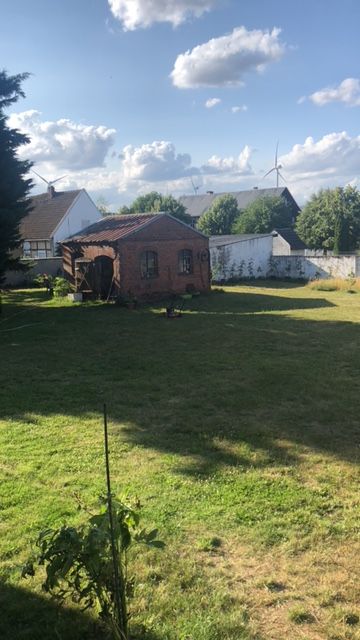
x: 194, y: 186
x: 276, y: 168
x: 48, y: 182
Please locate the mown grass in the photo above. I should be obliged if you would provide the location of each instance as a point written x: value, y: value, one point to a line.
x: 237, y: 423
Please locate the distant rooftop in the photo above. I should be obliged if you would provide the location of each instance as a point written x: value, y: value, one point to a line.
x: 290, y: 236
x: 47, y: 212
x: 197, y: 205
x: 219, y: 241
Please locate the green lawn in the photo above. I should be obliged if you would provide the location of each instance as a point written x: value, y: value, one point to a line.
x: 237, y: 426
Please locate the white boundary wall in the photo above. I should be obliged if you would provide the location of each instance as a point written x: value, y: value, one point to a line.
x: 247, y: 258
x: 314, y: 267
x: 253, y: 259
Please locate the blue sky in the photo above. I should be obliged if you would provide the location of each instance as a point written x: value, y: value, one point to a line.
x: 128, y: 96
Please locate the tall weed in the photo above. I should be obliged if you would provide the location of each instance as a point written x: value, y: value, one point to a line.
x: 352, y: 285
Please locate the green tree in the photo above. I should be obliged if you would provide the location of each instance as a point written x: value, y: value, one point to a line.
x: 341, y: 234
x: 148, y: 202
x: 263, y: 215
x: 331, y: 220
x: 103, y: 206
x: 14, y: 187
x: 219, y: 219
x: 154, y: 202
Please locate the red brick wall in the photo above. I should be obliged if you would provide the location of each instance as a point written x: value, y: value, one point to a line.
x: 165, y: 236
x: 168, y: 279
x: 91, y: 252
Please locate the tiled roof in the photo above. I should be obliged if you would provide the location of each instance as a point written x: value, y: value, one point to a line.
x: 197, y: 205
x: 113, y: 228
x: 291, y: 237
x: 46, y: 214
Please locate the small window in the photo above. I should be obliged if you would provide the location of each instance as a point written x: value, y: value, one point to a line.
x: 84, y: 224
x: 149, y: 264
x: 26, y: 249
x: 185, y: 261
x: 37, y: 249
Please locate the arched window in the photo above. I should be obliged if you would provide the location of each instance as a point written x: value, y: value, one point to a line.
x: 185, y: 261
x: 149, y: 264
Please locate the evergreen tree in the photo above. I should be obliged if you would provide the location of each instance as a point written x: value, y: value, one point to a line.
x: 341, y: 234
x: 14, y: 187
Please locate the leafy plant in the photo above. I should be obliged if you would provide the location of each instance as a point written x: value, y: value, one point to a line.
x: 61, y: 287
x: 79, y: 562
x: 43, y: 280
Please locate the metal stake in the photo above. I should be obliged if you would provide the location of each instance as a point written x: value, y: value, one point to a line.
x: 121, y: 611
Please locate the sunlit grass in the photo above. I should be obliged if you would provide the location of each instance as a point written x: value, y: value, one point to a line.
x: 238, y: 422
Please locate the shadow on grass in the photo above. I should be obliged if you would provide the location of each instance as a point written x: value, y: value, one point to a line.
x: 28, y: 616
x: 270, y: 283
x: 25, y: 615
x: 235, y: 303
x: 228, y: 384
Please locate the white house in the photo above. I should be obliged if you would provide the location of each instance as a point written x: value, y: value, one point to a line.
x: 55, y: 215
x: 240, y: 256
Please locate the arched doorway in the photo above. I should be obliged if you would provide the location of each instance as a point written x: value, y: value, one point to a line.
x: 103, y: 275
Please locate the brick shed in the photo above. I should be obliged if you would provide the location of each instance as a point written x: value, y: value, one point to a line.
x: 143, y: 255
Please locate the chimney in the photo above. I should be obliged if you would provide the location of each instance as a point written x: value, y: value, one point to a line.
x: 51, y: 191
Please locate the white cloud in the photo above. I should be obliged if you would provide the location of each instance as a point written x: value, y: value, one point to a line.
x: 212, y: 102
x: 333, y: 160
x: 62, y: 143
x: 224, y: 61
x: 239, y: 108
x: 348, y: 92
x: 333, y: 153
x: 155, y: 161
x: 87, y: 156
x: 135, y: 14
x: 239, y: 165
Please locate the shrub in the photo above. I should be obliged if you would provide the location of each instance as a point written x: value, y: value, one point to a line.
x: 43, y: 280
x: 61, y: 287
